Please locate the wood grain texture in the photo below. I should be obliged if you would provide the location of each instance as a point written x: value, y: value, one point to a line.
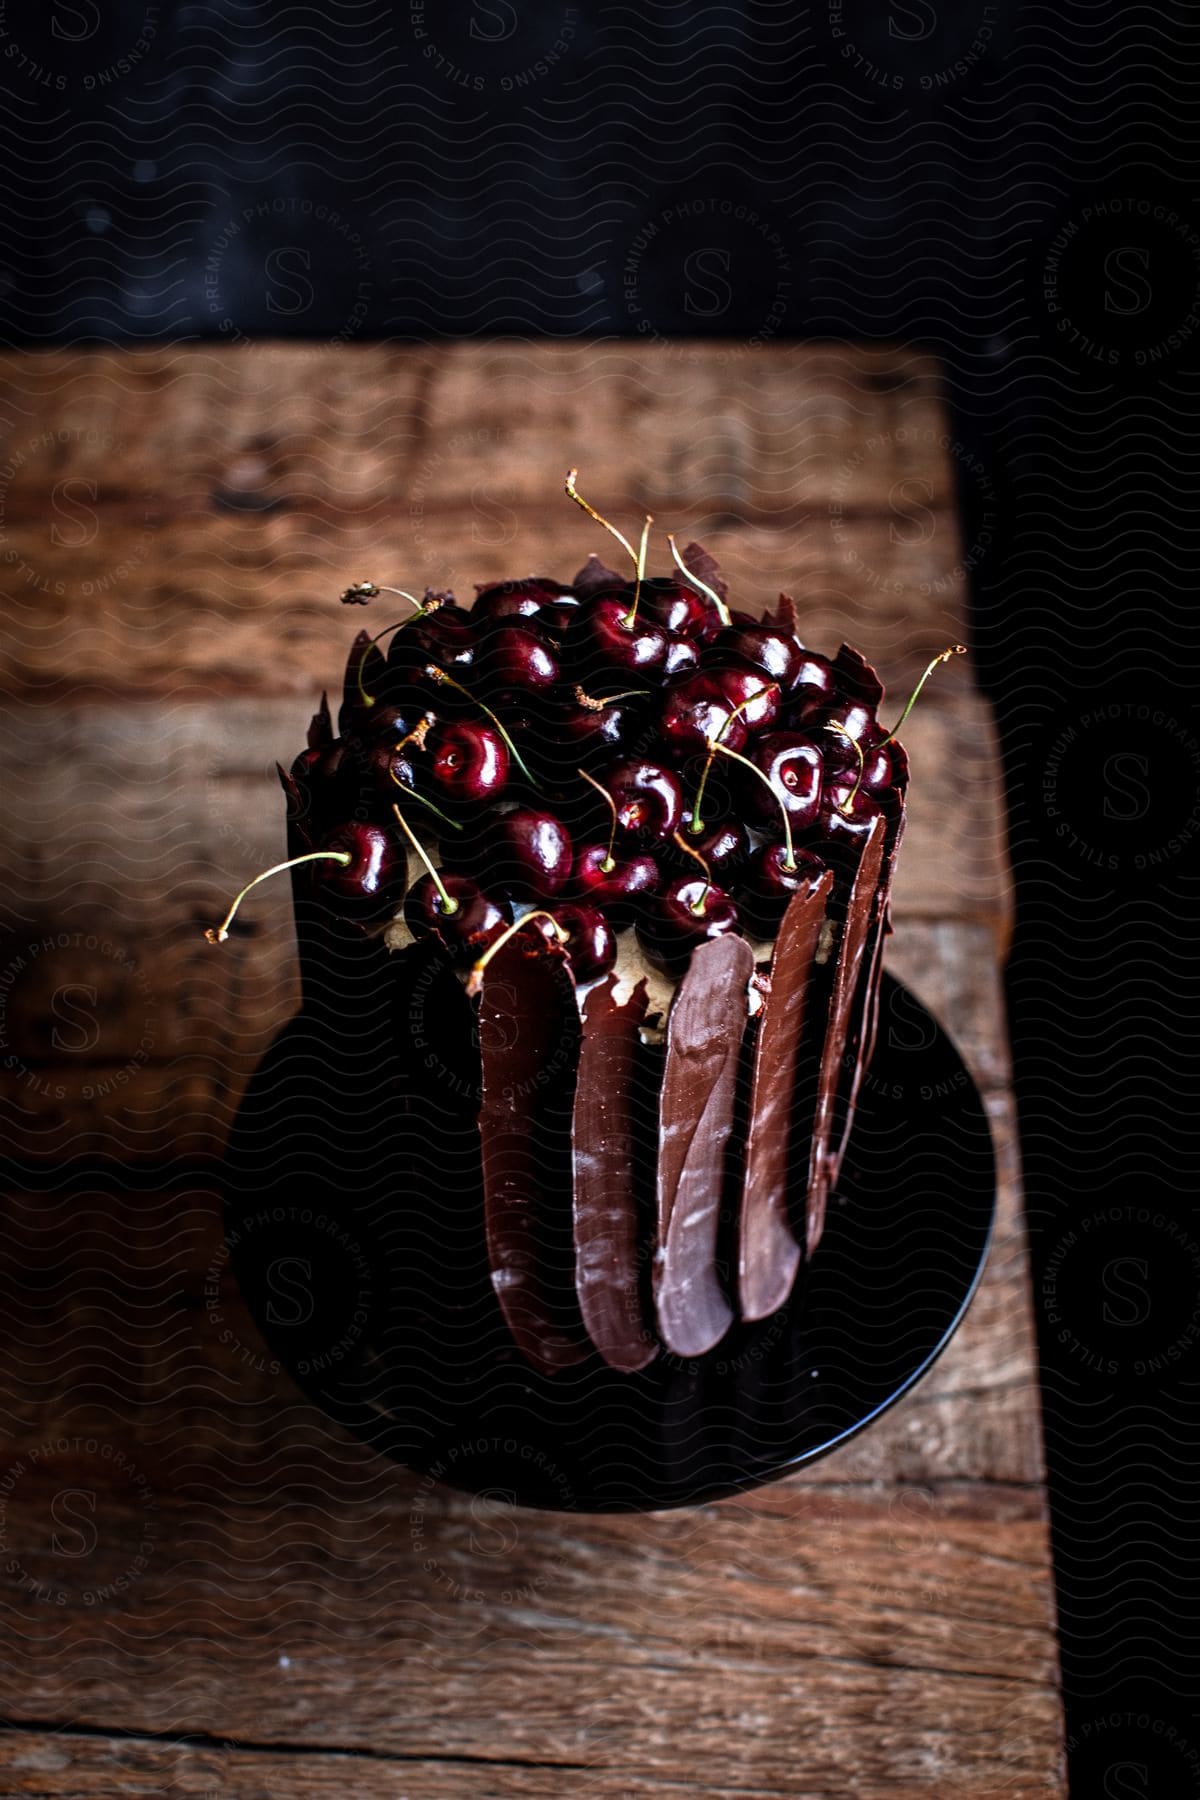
x: 207, y: 1589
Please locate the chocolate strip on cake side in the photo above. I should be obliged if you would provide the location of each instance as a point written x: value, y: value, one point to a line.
x: 848, y: 973
x: 705, y: 1033
x: 608, y: 1268
x: 768, y: 1253
x: 529, y: 1052
x: 865, y: 1021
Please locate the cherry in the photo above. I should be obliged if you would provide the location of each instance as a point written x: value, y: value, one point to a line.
x: 773, y: 652
x: 613, y: 881
x: 647, y: 798
x: 518, y: 659
x: 359, y: 870
x: 792, y: 763
x: 593, y: 728
x: 879, y: 765
x: 682, y: 657
x: 724, y: 846
x: 680, y: 609
x: 687, y: 911
x: 468, y: 762
x: 525, y: 854
x: 846, y: 815
x: 814, y: 678
x: 717, y: 703
x: 603, y: 647
x: 516, y: 599
x: 585, y: 935
x: 771, y: 881
x: 455, y: 907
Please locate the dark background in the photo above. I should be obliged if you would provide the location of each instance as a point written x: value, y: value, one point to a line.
x: 1013, y: 186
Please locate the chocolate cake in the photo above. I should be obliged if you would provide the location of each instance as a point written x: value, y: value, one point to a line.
x: 638, y: 969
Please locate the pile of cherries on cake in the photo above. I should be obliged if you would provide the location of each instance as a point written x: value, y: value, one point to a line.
x: 587, y: 756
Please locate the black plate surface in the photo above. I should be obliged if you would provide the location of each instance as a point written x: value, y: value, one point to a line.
x: 379, y: 1308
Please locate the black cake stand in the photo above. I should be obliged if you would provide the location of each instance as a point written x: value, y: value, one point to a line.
x: 374, y: 1297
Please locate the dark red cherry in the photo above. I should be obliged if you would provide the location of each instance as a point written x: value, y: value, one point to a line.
x: 843, y: 821
x: 648, y: 799
x: 525, y: 854
x: 772, y: 652
x: 724, y: 847
x: 372, y: 883
x: 518, y: 659
x: 618, y: 883
x: 679, y: 608
x: 814, y: 678
x: 593, y: 729
x: 858, y: 720
x: 769, y: 884
x: 682, y: 658
x: 516, y: 599
x: 705, y: 706
x: 468, y: 762
x: 792, y: 762
x: 685, y: 912
x: 558, y: 616
x: 880, y: 764
x: 477, y: 918
x: 590, y: 942
x: 604, y: 649
x: 388, y: 767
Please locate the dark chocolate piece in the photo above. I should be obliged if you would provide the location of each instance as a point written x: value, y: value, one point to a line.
x: 529, y: 1050
x: 848, y: 971
x: 705, y: 1031
x: 704, y: 565
x: 857, y: 677
x: 320, y: 729
x: 768, y: 1254
x: 607, y: 1266
x: 596, y: 578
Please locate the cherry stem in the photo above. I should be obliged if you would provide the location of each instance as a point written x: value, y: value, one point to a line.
x: 573, y: 494
x: 789, y: 861
x: 698, y: 907
x: 607, y: 866
x: 697, y: 824
x: 217, y: 934
x: 586, y: 700
x: 449, y: 905
x: 421, y: 798
x: 702, y: 587
x: 444, y: 680
x: 630, y: 618
x: 421, y: 613
x: 847, y: 805
x: 954, y: 650
x: 475, y: 978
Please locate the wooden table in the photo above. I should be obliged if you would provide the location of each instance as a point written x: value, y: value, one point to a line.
x: 208, y: 1589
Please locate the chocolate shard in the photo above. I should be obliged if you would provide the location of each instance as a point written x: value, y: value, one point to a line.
x: 848, y: 973
x: 365, y: 663
x: 784, y: 617
x: 705, y: 1032
x: 604, y: 1158
x: 768, y: 1253
x: 703, y: 564
x: 595, y: 577
x: 865, y: 1017
x: 529, y: 1053
x: 857, y: 677
x: 320, y: 729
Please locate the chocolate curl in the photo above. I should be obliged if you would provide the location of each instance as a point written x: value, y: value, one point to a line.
x: 605, y: 1153
x: 320, y: 730
x: 529, y: 1051
x: 768, y: 1253
x: 596, y: 578
x: 848, y: 972
x: 705, y: 1030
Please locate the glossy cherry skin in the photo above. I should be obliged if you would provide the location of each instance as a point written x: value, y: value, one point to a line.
x: 814, y: 679
x: 724, y: 846
x: 881, y: 762
x: 648, y: 800
x: 468, y: 763
x: 769, y: 884
x: 844, y: 821
x: 516, y: 599
x: 604, y: 649
x: 685, y: 912
x: 590, y: 944
x: 679, y: 608
x: 705, y: 706
x: 683, y: 658
x: 772, y: 652
x: 618, y: 884
x: 370, y: 885
x: 591, y: 731
x: 525, y: 854
x: 813, y: 715
x: 518, y: 659
x: 793, y: 764
x: 478, y: 918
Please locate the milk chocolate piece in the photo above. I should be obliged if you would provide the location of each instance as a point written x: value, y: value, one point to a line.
x: 704, y: 1042
x: 768, y: 1254
x: 849, y: 970
x: 529, y: 1053
x: 604, y: 1157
